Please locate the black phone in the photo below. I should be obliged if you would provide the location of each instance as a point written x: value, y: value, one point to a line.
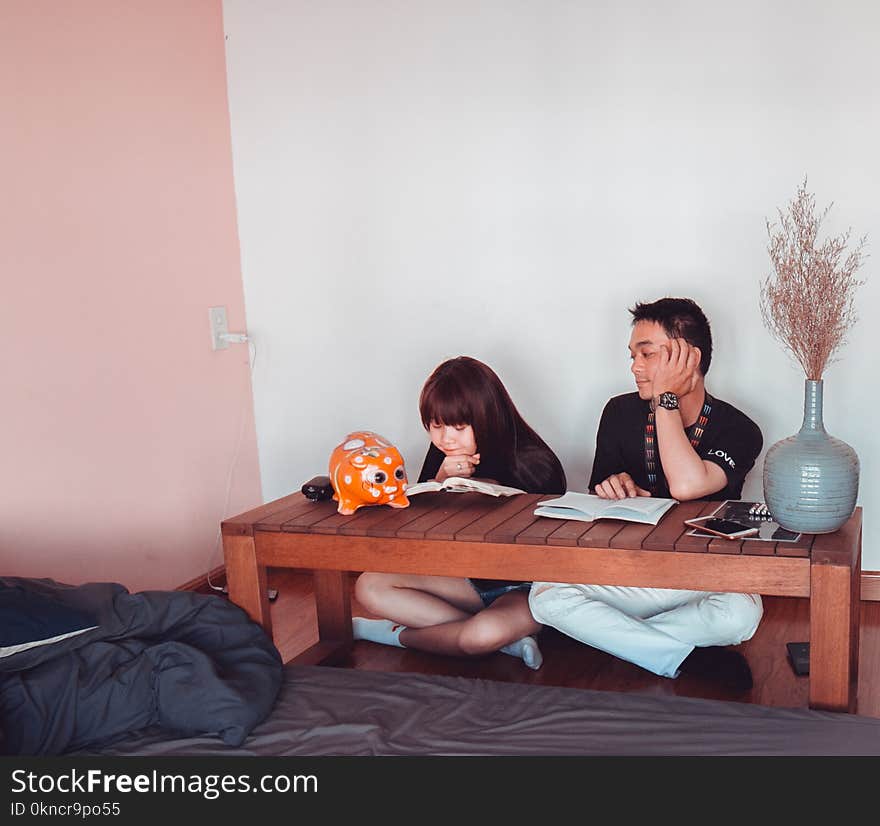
x: 727, y: 528
x: 799, y: 657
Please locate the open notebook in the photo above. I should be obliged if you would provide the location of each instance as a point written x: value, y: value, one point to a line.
x: 586, y: 507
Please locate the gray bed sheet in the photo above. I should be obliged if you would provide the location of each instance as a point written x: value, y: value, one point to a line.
x: 323, y: 711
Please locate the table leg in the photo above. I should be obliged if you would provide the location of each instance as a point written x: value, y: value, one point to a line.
x: 835, y: 605
x: 246, y: 580
x: 333, y: 605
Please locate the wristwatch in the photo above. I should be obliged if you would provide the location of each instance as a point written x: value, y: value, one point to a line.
x: 667, y: 400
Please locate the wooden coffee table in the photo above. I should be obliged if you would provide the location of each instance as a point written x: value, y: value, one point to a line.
x: 471, y: 534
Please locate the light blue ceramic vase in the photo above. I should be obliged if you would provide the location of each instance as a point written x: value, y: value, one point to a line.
x: 811, y: 479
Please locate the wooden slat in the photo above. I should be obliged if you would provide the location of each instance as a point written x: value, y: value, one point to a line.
x: 771, y: 547
x: 302, y: 521
x: 692, y: 544
x: 332, y: 524
x: 417, y: 506
x: 801, y: 548
x: 720, y: 545
x: 568, y: 533
x: 631, y: 536
x: 600, y: 534
x: 672, y: 526
x: 477, y: 530
x: 420, y: 504
x: 696, y: 544
x: 242, y: 525
x: 474, y: 506
x: 367, y: 518
x: 538, y: 531
x: 421, y: 528
x: 759, y: 547
x: 507, y: 531
x: 274, y: 521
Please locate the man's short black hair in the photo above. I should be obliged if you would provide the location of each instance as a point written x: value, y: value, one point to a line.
x: 680, y: 318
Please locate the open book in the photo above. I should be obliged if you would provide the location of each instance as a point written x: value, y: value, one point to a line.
x: 586, y: 507
x: 462, y: 484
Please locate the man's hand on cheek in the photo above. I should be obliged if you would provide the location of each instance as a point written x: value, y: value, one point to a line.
x: 677, y: 369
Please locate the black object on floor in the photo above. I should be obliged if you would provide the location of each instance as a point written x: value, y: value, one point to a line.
x: 799, y: 657
x: 723, y: 665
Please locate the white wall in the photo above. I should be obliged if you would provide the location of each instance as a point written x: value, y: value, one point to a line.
x: 417, y: 180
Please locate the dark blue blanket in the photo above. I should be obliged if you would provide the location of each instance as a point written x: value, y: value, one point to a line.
x: 190, y: 663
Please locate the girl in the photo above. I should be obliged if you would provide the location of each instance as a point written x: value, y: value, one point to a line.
x: 475, y: 430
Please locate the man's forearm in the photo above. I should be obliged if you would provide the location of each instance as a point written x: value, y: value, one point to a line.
x: 687, y: 475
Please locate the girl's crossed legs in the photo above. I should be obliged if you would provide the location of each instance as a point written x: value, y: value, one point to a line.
x: 445, y: 615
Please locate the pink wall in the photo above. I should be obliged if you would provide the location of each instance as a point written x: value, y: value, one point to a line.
x: 118, y: 228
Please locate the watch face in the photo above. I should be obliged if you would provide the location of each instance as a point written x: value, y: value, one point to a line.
x: 669, y: 401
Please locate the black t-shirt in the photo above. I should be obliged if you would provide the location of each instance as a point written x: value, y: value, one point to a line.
x: 731, y: 440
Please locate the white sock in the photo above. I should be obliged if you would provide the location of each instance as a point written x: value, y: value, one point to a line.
x: 382, y: 631
x: 527, y: 649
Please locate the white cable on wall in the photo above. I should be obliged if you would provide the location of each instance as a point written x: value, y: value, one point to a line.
x: 235, y: 338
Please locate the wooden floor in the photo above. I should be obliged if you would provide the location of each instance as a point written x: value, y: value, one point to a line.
x: 566, y: 662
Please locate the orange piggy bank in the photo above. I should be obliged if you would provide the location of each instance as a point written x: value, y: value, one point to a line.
x: 367, y: 469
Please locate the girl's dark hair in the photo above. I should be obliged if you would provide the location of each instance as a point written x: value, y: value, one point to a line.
x: 680, y: 318
x: 464, y: 391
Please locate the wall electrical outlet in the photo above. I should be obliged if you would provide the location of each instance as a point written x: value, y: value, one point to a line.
x: 219, y: 327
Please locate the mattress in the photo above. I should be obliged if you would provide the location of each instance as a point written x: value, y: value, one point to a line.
x: 324, y: 711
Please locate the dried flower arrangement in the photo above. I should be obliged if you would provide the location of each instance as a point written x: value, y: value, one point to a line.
x: 808, y: 305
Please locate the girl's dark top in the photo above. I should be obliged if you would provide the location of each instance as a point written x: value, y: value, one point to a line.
x: 539, y: 473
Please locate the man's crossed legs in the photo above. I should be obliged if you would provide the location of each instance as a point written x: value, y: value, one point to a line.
x: 663, y: 630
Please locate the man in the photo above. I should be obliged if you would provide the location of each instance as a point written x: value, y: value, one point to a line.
x: 669, y: 439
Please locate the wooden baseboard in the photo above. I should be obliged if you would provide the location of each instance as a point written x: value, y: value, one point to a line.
x: 202, y: 585
x: 870, y: 584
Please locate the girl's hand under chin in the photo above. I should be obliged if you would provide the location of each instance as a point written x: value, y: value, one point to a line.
x: 458, y: 465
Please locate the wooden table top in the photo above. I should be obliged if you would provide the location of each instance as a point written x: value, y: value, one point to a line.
x: 476, y: 517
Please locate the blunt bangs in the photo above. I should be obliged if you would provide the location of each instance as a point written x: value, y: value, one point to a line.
x: 445, y: 402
